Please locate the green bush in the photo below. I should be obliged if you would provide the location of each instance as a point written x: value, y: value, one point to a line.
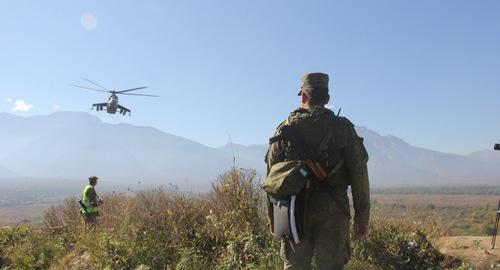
x: 25, y: 247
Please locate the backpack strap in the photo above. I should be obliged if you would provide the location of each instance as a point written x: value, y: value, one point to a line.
x: 323, y: 145
x: 336, y: 168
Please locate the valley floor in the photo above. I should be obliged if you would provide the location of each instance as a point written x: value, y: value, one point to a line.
x: 24, y: 214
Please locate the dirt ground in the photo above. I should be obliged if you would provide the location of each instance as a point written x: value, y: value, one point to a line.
x: 473, y: 249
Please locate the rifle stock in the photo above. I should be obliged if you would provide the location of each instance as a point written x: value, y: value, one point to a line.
x: 316, y: 169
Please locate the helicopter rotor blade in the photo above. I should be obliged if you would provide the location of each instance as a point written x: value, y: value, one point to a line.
x: 133, y: 89
x: 96, y: 84
x: 136, y: 94
x: 89, y: 88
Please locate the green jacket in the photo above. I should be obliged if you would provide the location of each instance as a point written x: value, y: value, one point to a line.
x: 345, y: 153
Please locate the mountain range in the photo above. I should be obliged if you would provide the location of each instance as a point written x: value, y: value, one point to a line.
x: 74, y: 145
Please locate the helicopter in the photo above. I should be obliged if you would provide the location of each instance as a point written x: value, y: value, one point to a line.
x: 112, y: 105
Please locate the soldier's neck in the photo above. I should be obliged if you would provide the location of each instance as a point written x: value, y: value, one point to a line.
x: 309, y: 107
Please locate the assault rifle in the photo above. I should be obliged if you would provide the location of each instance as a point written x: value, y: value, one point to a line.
x: 309, y: 158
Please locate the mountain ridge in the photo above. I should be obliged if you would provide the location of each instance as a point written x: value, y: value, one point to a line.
x: 71, y: 145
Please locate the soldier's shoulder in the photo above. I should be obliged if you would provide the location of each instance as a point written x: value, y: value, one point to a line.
x: 281, y: 125
x: 339, y: 121
x: 89, y: 189
x: 344, y: 127
x: 343, y: 121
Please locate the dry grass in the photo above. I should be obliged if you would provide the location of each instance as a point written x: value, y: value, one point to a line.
x: 224, y: 229
x: 423, y: 200
x: 164, y: 228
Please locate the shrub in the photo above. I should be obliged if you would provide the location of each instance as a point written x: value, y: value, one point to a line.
x: 393, y: 245
x: 25, y: 247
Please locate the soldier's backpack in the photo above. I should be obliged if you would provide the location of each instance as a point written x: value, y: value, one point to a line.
x: 286, y: 178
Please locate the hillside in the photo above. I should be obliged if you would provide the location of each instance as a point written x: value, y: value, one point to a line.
x: 394, y: 162
x: 73, y: 145
x: 224, y: 229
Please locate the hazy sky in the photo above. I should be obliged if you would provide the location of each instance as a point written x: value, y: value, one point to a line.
x: 425, y: 71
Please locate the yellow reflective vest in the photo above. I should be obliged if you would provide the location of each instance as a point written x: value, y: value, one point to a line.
x: 85, y: 200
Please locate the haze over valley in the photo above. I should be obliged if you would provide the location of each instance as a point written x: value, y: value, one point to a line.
x: 63, y: 148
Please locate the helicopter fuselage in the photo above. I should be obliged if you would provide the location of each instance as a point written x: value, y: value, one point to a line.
x: 112, y: 104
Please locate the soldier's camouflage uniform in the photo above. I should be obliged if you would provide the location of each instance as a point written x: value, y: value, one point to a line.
x: 327, y: 220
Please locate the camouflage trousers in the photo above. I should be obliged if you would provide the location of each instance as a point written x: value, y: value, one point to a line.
x: 326, y: 238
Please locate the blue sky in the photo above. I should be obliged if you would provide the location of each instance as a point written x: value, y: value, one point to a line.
x: 425, y: 71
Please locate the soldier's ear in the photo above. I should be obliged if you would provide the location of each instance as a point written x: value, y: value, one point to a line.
x: 304, y: 98
x: 327, y: 99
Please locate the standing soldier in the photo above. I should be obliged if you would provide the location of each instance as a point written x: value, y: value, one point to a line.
x: 343, y: 158
x: 90, y: 202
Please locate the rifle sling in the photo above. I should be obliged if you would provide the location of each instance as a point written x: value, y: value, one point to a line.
x: 323, y: 145
x: 338, y: 202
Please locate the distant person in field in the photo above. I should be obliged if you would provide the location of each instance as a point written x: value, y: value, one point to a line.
x: 324, y: 203
x: 90, y: 202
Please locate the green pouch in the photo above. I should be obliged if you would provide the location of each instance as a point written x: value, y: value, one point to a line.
x: 286, y: 178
